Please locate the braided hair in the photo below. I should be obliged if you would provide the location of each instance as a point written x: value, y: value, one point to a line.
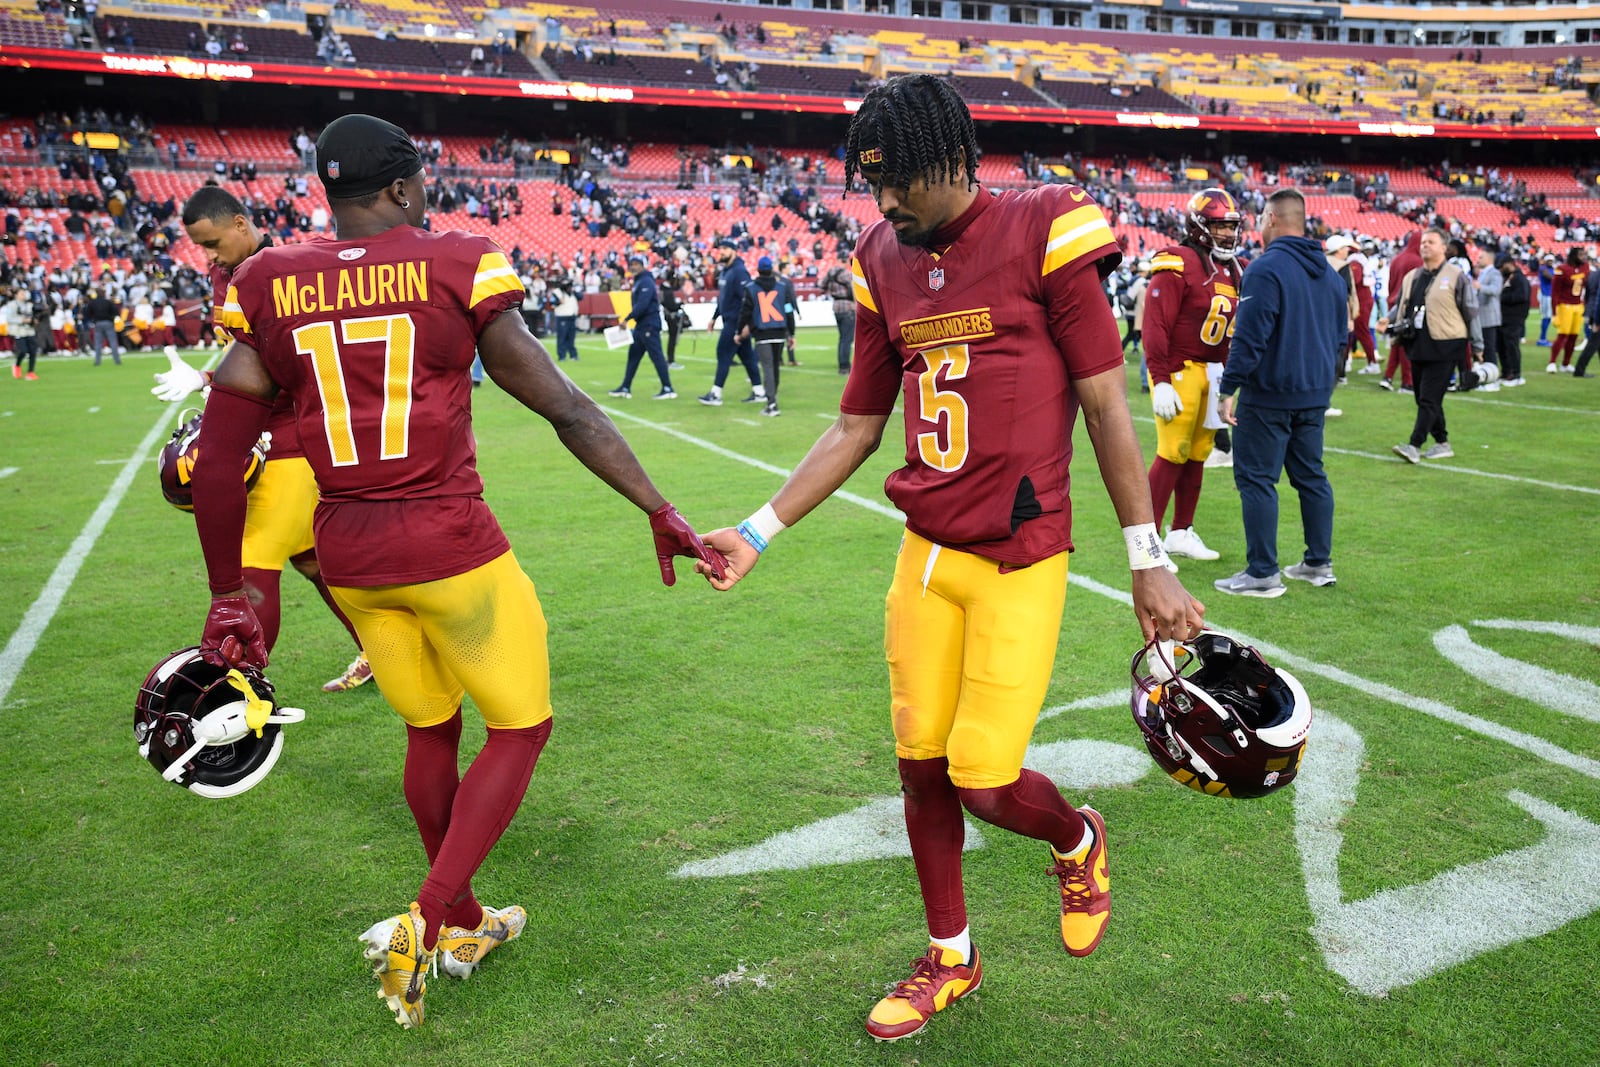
x: 918, y: 127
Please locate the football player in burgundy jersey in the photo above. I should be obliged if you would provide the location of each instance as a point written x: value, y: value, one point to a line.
x: 277, y: 526
x: 1566, y: 296
x: 986, y: 315
x: 372, y: 334
x: 1188, y: 319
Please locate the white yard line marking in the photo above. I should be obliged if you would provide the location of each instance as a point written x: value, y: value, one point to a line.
x: 6, y: 472
x: 1519, y: 404
x: 1439, y: 710
x: 1446, y: 465
x: 1536, y: 746
x: 26, y: 636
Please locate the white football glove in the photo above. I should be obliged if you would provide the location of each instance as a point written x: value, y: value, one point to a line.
x: 175, y: 384
x: 1164, y: 401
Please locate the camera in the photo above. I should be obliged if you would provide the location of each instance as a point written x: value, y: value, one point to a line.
x: 1401, y: 330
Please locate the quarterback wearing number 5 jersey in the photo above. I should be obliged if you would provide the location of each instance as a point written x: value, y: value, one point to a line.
x: 977, y: 340
x: 373, y: 336
x: 983, y: 315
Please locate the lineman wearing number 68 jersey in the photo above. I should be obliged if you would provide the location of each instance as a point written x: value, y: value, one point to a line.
x: 373, y: 335
x: 1188, y: 320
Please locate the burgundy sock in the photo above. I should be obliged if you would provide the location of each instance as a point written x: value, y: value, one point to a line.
x: 1186, y: 498
x: 1163, y: 480
x: 1031, y: 806
x: 262, y: 589
x: 937, y: 832
x: 488, y: 797
x: 431, y: 779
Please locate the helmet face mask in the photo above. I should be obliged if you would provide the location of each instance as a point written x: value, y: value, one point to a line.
x: 212, y: 731
x: 1217, y: 717
x: 177, y: 458
x: 1206, y: 211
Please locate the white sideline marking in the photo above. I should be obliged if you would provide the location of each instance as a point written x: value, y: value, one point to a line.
x: 6, y: 472
x: 750, y: 461
x: 1399, y: 936
x: 1444, y: 465
x: 26, y: 636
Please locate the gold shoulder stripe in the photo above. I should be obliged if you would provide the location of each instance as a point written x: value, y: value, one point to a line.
x: 494, y: 276
x: 1166, y: 261
x: 232, y: 316
x: 1073, y: 234
x: 859, y: 281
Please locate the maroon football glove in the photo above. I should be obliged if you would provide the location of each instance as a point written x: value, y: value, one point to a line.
x: 232, y: 637
x: 674, y: 537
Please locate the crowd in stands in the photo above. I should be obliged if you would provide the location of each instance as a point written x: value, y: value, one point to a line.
x: 129, y: 247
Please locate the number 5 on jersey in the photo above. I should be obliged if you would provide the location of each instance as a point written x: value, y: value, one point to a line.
x: 945, y: 404
x: 397, y: 336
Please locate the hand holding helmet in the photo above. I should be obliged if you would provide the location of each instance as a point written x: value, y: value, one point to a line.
x: 1217, y: 717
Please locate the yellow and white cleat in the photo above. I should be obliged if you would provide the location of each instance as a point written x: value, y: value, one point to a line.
x: 461, y: 950
x: 394, y: 947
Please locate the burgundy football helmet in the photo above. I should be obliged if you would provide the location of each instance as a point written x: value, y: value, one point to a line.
x: 1217, y: 717
x: 213, y: 731
x: 178, y: 457
x: 1208, y: 208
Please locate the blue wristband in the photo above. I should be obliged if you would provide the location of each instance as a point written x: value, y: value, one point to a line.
x: 752, y: 536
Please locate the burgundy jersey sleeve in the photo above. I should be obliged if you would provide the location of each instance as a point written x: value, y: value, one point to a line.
x: 874, y: 382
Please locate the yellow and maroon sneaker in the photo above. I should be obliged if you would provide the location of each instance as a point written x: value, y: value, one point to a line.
x: 461, y: 950
x: 1085, y: 891
x: 936, y: 979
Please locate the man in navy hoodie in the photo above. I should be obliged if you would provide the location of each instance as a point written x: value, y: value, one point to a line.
x: 1290, y: 324
x: 730, y: 299
x: 646, y: 318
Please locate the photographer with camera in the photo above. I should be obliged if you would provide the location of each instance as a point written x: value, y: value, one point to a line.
x: 672, y: 310
x: 1435, y: 316
x: 565, y: 313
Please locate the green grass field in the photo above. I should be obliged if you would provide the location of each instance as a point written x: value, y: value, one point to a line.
x: 1425, y: 894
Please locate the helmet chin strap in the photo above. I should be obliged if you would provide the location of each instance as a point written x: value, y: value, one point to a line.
x: 231, y: 722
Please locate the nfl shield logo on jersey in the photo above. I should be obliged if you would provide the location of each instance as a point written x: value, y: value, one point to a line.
x: 936, y: 279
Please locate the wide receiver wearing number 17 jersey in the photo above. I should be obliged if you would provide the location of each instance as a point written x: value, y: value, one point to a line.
x: 373, y: 335
x: 984, y: 315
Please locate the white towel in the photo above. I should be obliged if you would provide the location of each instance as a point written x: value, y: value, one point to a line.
x: 1213, y: 376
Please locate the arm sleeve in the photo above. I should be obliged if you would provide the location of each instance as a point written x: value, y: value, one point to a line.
x: 1253, y: 327
x: 1163, y: 296
x: 747, y: 312
x: 232, y: 424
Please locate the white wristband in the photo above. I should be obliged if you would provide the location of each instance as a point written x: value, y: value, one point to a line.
x: 760, y: 528
x: 1144, y: 547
